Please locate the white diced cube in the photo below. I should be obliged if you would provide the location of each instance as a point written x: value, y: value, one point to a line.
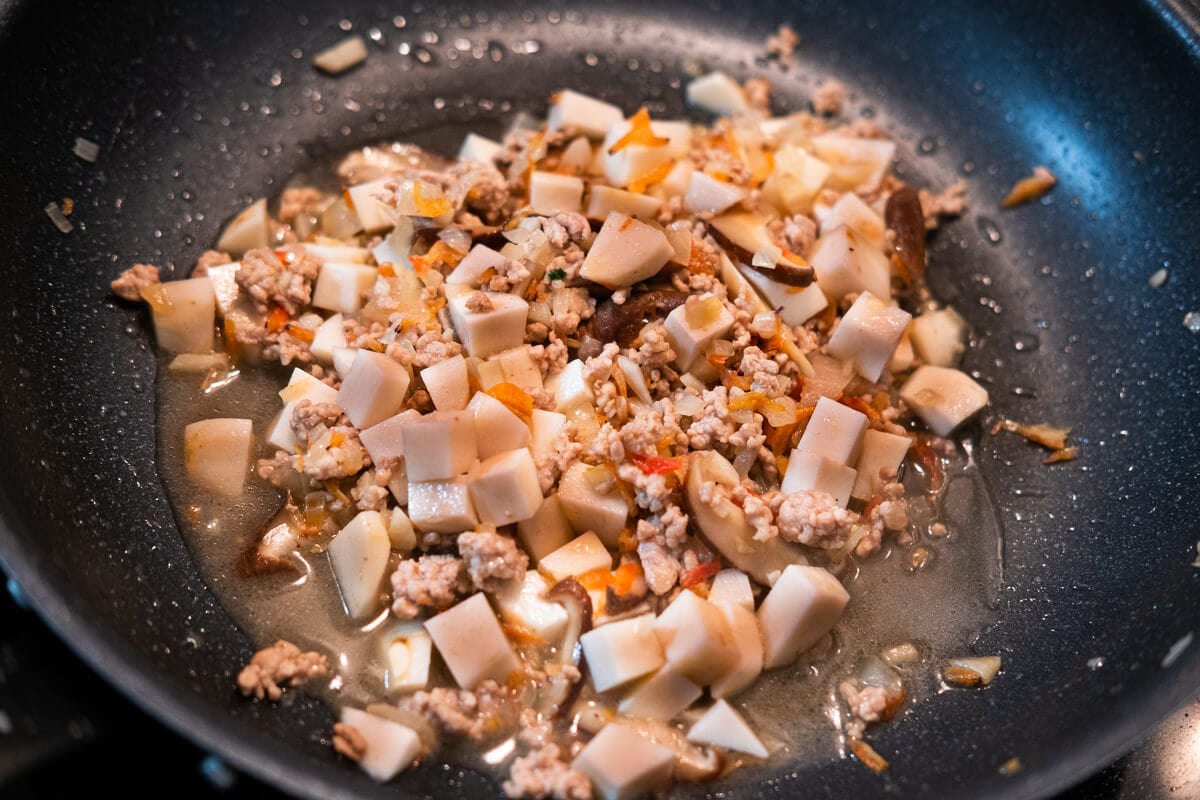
x: 678, y: 133
x: 689, y: 341
x: 589, y: 510
x: 486, y: 332
x: 621, y: 651
x: 385, y: 440
x: 398, y: 485
x: 391, y: 747
x: 662, y: 695
x: 443, y: 444
x: 747, y: 641
x: 695, y: 638
x: 489, y: 373
x: 851, y: 211
x: 582, y: 554
x: 374, y: 390
x: 550, y: 193
x: 845, y: 262
x: 301, y: 386
x: 343, y: 359
x: 808, y: 471
x: 677, y: 181
x: 868, y: 334
x: 939, y: 337
x: 441, y: 506
x: 903, y: 356
x: 223, y: 279
x: 803, y: 605
x: 524, y: 604
x: 589, y: 116
x: 795, y: 180
x: 341, y: 253
x: 474, y: 264
x: 472, y: 643
x: 731, y: 586
x: 331, y: 334
x: 546, y: 531
x: 797, y: 305
x: 186, y: 324
x: 604, y: 200
x: 576, y: 156
x: 623, y: 765
x: 632, y: 161
x: 407, y: 652
x: 570, y: 388
x: 724, y: 727
x: 216, y: 454
x: 706, y: 193
x: 505, y: 489
x: 248, y: 230
x: 718, y: 93
x: 479, y: 148
x: 400, y: 528
x: 375, y: 215
x: 497, y: 428
x: 520, y: 369
x: 943, y: 398
x: 359, y: 557
x: 625, y: 252
x: 447, y: 384
x: 341, y: 287
x: 879, y: 450
x: 545, y: 429
x: 858, y: 164
x: 834, y: 431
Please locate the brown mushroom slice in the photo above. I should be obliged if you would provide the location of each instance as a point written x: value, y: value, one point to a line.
x: 724, y: 524
x: 904, y: 218
x: 560, y: 691
x: 622, y: 323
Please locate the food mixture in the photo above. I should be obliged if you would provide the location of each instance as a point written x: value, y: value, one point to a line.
x: 589, y: 425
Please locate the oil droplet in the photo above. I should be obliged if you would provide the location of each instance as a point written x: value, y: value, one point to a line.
x: 927, y: 146
x: 1191, y: 321
x: 399, y: 22
x: 990, y: 230
x: 919, y: 558
x: 1025, y: 342
x: 1095, y: 663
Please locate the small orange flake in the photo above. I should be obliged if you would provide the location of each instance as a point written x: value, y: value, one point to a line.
x: 654, y: 175
x: 868, y: 756
x: 699, y: 574
x: 429, y: 206
x: 68, y: 205
x: 655, y: 465
x: 1041, y: 181
x: 515, y: 399
x: 440, y: 253
x: 1046, y: 435
x: 860, y: 405
x: 301, y: 333
x: 277, y: 320
x: 640, y: 132
x: 930, y: 460
x: 1062, y: 454
x: 387, y: 270
x: 349, y: 200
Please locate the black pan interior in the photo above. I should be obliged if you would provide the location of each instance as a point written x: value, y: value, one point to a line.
x: 199, y: 108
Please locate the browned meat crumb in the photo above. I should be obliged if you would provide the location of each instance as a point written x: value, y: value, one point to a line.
x: 295, y: 202
x: 479, y: 303
x: 131, y: 282
x: 276, y: 470
x: 951, y: 202
x: 277, y: 667
x: 431, y: 582
x: 464, y: 713
x: 829, y: 97
x: 758, y: 94
x: 268, y: 280
x: 867, y: 704
x: 210, y: 258
x: 797, y: 233
x: 308, y: 417
x: 488, y: 196
x: 543, y: 774
x: 493, y: 561
x: 782, y: 44
x: 348, y: 741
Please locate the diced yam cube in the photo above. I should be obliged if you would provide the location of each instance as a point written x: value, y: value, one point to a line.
x: 633, y: 161
x: 398, y: 485
x: 545, y: 531
x: 677, y: 132
x: 731, y: 586
x: 385, y: 440
x: 216, y: 454
x: 523, y: 604
x: 185, y: 323
x: 795, y: 180
x: 830, y: 377
x: 570, y: 388
x: 407, y: 652
x: 497, y: 428
x: 605, y: 199
x: 851, y: 211
x: 718, y: 93
x: 589, y: 116
x: 479, y: 148
x: 858, y: 164
x: 634, y: 379
x: 662, y: 695
x: 520, y: 368
x: 724, y: 727
x: 486, y: 332
x: 677, y: 181
x: 747, y: 640
x: 375, y: 215
x: 301, y: 386
x: 624, y: 252
x: 331, y: 334
x: 903, y: 356
x: 391, y: 747
x: 693, y: 326
x: 444, y: 444
x: 939, y: 337
x: 879, y: 450
x: 223, y: 279
x: 340, y: 253
x: 248, y: 230
x: 343, y: 359
x: 809, y: 471
x: 447, y: 384
x: 359, y: 557
x: 550, y: 193
x: 798, y: 305
x: 834, y: 431
x: 943, y: 398
x: 489, y: 373
x: 474, y: 264
x: 374, y: 390
x: 622, y: 764
x: 340, y: 287
x: 441, y: 506
x: 868, y: 334
x: 803, y: 605
x: 401, y: 532
x: 621, y: 651
x: 587, y: 508
x: 582, y: 554
x: 845, y: 262
x: 576, y: 156
x: 695, y: 638
x: 706, y: 193
x: 505, y: 489
x: 472, y: 643
x: 546, y: 427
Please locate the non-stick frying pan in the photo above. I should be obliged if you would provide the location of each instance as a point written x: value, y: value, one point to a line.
x: 198, y: 108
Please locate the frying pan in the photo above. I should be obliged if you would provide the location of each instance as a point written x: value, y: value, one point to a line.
x: 199, y: 108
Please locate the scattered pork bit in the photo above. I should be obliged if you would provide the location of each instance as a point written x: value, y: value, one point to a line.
x: 1041, y: 181
x: 131, y: 282
x: 348, y: 741
x: 782, y: 45
x: 829, y: 97
x: 278, y: 667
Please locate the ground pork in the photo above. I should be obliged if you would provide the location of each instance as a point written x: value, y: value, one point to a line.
x: 464, y: 713
x: 565, y: 267
x: 434, y: 347
x: 337, y: 453
x: 867, y: 704
x: 543, y: 775
x: 479, y: 303
x: 370, y: 492
x: 712, y: 427
x: 129, y: 285
x: 655, y: 350
x: 508, y: 275
x: 488, y: 195
x: 782, y: 45
x: 210, y: 258
x: 551, y: 357
x: 274, y: 668
x: 829, y: 97
x: 565, y: 227
x: 431, y: 582
x: 570, y: 307
x: 348, y: 741
x: 764, y: 373
x: 563, y: 452
x: 950, y: 202
x: 493, y: 561
x: 811, y: 518
x: 797, y: 233
x: 309, y: 417
x: 758, y: 514
x: 660, y: 568
x: 758, y: 94
x: 294, y: 202
x: 268, y: 280
x: 276, y: 470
